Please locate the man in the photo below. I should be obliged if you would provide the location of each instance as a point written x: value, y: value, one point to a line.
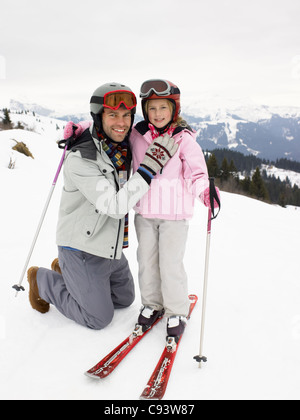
x: 93, y: 275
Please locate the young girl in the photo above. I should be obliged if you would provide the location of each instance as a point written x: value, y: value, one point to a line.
x: 162, y: 214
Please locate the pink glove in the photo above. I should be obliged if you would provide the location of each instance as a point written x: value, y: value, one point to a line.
x: 81, y: 127
x: 204, y: 197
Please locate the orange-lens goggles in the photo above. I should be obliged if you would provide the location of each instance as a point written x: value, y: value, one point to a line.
x: 114, y: 100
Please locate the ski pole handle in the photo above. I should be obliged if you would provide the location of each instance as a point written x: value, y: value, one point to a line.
x: 213, y: 198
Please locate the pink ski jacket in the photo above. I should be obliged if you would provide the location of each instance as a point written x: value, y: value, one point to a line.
x: 172, y: 193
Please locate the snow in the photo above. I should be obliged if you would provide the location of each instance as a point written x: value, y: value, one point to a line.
x: 282, y: 174
x: 252, y: 333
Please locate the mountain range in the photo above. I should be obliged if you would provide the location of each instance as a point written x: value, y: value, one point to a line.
x: 267, y: 132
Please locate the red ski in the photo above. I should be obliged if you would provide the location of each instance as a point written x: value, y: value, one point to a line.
x: 158, y: 381
x: 108, y: 364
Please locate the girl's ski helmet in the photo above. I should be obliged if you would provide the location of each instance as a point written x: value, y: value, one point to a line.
x: 112, y: 96
x: 160, y: 89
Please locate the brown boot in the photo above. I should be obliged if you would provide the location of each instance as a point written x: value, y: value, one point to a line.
x: 55, y: 266
x: 36, y: 301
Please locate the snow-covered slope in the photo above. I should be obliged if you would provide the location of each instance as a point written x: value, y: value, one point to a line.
x: 282, y: 174
x: 252, y: 336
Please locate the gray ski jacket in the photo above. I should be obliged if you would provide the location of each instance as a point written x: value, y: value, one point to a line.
x: 93, y: 202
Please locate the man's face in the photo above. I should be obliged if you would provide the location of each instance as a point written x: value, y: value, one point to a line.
x: 116, y: 123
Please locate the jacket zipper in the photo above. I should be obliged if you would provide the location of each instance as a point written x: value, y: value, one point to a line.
x: 116, y: 247
x: 117, y: 188
x: 119, y: 228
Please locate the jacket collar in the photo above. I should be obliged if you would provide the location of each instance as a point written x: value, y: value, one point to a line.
x: 88, y: 145
x: 142, y: 128
x: 85, y: 145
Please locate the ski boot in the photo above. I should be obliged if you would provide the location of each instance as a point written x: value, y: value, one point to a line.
x: 146, y: 319
x: 175, y: 328
x: 35, y: 300
x: 55, y: 266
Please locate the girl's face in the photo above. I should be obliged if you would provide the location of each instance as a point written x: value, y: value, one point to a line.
x: 159, y: 112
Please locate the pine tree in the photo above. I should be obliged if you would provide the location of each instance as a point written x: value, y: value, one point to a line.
x: 224, y: 170
x: 282, y: 199
x: 232, y: 169
x: 6, y: 119
x: 245, y: 183
x: 257, y: 186
x: 212, y: 166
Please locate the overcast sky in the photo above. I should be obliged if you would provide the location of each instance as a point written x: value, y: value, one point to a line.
x: 58, y: 52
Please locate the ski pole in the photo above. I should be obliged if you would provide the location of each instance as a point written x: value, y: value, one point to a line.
x: 213, y: 196
x: 18, y: 287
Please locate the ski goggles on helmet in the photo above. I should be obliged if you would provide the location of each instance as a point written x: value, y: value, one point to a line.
x: 113, y: 100
x: 157, y: 86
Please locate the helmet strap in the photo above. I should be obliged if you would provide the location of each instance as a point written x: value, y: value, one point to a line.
x: 164, y: 129
x: 97, y: 118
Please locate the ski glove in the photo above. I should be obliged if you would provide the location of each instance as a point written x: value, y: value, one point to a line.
x: 205, y: 197
x: 159, y: 153
x: 81, y: 127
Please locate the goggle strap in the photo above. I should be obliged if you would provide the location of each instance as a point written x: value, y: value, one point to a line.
x: 172, y: 91
x: 97, y: 100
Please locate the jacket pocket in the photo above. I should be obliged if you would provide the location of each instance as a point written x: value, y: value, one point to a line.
x: 90, y: 221
x: 93, y: 222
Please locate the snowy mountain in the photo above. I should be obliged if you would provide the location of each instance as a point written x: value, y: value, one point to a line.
x: 267, y: 132
x: 252, y: 334
x: 17, y: 106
